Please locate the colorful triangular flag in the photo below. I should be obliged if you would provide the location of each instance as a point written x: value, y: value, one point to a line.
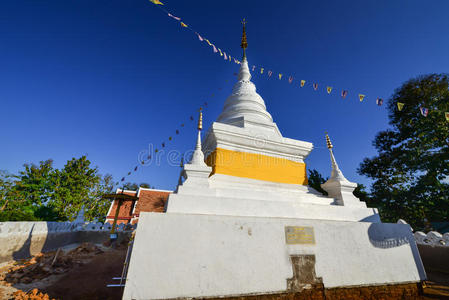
x: 400, y: 106
x: 379, y: 101
x: 361, y: 97
x: 169, y: 138
x: 446, y: 114
x: 329, y: 89
x: 215, y: 48
x: 229, y: 57
x: 254, y: 67
x: 157, y: 2
x: 225, y: 57
x: 302, y: 83
x: 269, y: 73
x: 135, y: 169
x: 290, y: 79
x: 123, y: 179
x: 280, y: 76
x: 261, y: 70
x: 207, y: 41
x: 344, y: 94
x: 199, y: 36
x: 177, y: 131
x: 424, y: 111
x: 172, y: 16
x: 315, y: 86
x: 184, y: 24
x: 221, y: 54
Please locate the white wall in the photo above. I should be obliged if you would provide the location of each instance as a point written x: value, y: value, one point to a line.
x: 180, y: 255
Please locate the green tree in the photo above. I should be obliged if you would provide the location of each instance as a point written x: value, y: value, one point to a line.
x: 74, y: 186
x: 25, y: 193
x: 96, y: 207
x: 412, y: 166
x: 315, y: 180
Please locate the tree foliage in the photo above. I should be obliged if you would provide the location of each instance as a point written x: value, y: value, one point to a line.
x: 315, y: 180
x: 411, y: 169
x: 40, y: 192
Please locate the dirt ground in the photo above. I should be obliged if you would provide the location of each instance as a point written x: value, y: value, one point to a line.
x: 83, y: 271
x: 79, y: 273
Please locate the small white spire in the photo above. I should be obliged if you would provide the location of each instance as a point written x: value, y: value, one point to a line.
x: 337, y: 186
x: 198, y: 155
x: 336, y: 172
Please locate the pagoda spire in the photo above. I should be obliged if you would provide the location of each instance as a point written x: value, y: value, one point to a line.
x: 337, y: 186
x: 244, y: 43
x: 336, y: 172
x: 198, y: 156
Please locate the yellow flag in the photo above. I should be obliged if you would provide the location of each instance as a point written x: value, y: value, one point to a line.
x: 221, y: 54
x: 156, y: 2
x: 446, y: 114
x: 229, y: 56
x: 361, y: 97
x: 208, y: 42
x: 303, y: 82
x: 329, y: 90
x: 183, y: 24
x: 280, y: 76
x: 400, y: 106
x: 261, y: 70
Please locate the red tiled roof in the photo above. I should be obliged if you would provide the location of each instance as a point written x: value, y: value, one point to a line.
x: 149, y: 201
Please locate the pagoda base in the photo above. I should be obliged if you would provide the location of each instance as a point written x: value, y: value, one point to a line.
x: 208, y: 256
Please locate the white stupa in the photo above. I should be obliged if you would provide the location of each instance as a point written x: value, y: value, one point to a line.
x: 244, y: 222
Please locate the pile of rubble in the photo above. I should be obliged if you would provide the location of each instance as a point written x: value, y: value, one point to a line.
x: 34, y: 294
x: 43, y: 265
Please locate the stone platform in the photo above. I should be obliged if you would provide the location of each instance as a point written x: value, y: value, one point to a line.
x: 199, y: 256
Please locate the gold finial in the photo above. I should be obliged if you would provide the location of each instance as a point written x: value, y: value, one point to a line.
x: 244, y: 43
x: 200, y: 119
x: 328, y: 141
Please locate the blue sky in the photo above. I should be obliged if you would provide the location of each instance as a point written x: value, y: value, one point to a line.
x: 107, y: 78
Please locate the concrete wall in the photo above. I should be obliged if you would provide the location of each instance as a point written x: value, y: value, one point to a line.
x: 181, y: 255
x: 20, y: 240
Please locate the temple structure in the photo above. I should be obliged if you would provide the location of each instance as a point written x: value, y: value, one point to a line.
x: 243, y: 222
